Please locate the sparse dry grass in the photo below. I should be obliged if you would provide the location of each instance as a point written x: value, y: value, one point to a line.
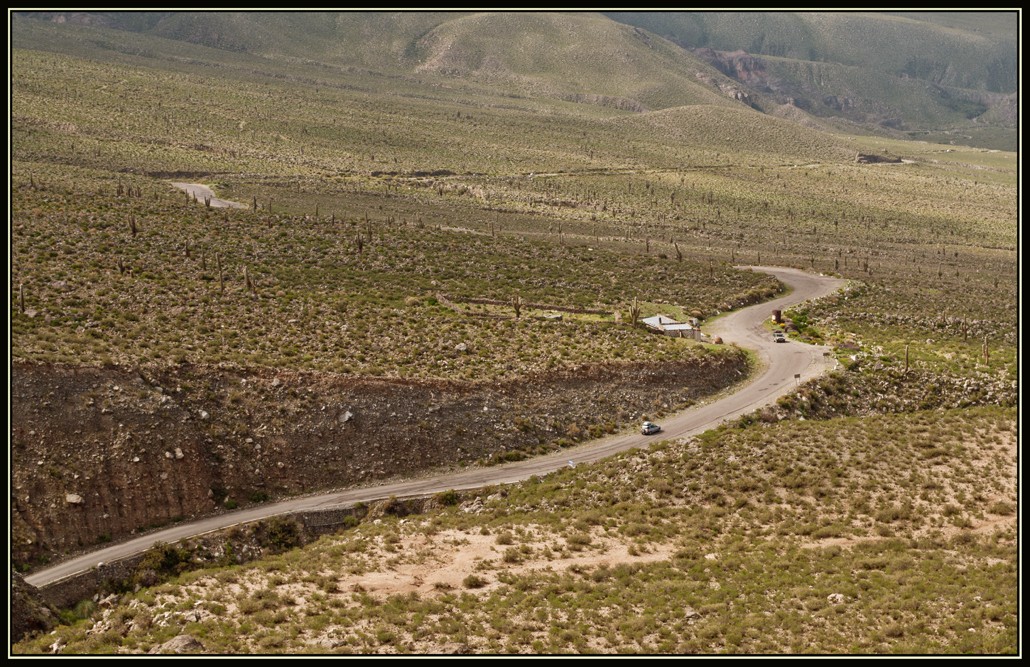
x: 891, y: 534
x: 96, y: 293
x: 876, y: 535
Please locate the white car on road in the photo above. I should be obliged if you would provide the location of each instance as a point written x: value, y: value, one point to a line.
x: 650, y: 428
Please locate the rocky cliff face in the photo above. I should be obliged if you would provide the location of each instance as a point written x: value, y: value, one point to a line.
x: 29, y: 613
x: 739, y: 65
x: 100, y: 453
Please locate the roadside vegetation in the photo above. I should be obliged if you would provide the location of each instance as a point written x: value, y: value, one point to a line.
x: 889, y: 534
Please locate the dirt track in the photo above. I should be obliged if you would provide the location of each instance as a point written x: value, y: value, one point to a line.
x: 202, y: 192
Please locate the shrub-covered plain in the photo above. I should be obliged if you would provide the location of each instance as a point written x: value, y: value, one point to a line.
x: 890, y: 534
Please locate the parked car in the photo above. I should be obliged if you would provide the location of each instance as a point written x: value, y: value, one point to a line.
x: 650, y: 428
x: 779, y: 337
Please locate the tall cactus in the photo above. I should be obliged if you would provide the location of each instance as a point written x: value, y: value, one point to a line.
x: 517, y: 303
x: 248, y: 282
x: 634, y: 313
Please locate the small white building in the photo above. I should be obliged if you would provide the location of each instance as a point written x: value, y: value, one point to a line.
x: 668, y: 326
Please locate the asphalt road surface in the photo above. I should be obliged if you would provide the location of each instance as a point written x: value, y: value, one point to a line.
x: 781, y: 361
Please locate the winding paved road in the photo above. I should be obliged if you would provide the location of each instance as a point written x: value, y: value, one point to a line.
x: 781, y: 363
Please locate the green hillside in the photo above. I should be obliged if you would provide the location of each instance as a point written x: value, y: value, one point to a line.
x: 737, y: 131
x: 886, y: 73
x: 566, y: 55
x: 917, y: 72
x: 953, y: 54
x: 374, y: 40
x: 579, y: 57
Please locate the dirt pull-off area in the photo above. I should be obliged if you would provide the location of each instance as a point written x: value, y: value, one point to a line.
x: 205, y: 195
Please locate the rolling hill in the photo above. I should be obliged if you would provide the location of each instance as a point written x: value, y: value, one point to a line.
x: 912, y: 72
x: 579, y: 57
x: 900, y: 74
x: 734, y: 129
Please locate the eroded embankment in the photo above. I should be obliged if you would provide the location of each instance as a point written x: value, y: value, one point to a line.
x: 98, y: 453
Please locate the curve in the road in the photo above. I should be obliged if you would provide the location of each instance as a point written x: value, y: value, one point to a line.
x: 783, y: 367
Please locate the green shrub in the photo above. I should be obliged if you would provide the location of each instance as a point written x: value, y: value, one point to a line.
x: 474, y: 581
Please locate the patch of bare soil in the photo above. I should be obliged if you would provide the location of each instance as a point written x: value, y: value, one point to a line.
x: 442, y: 562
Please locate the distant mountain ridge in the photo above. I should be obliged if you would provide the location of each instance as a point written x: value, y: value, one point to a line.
x: 893, y: 73
x: 893, y: 70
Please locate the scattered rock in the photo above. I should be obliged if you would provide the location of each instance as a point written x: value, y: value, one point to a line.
x: 346, y: 416
x: 835, y: 598
x: 204, y: 414
x: 73, y: 499
x: 109, y: 601
x: 179, y: 644
x: 178, y: 453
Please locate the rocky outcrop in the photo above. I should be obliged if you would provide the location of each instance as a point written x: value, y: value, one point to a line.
x: 179, y: 644
x: 878, y: 389
x: 739, y: 65
x: 98, y: 453
x: 29, y: 613
x: 727, y: 89
x: 873, y: 158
